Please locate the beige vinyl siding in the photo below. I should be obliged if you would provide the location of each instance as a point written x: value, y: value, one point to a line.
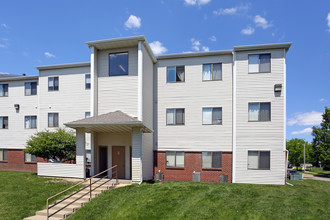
x: 263, y: 135
x: 193, y: 95
x: 147, y: 139
x: 15, y: 137
x: 71, y: 101
x: 117, y: 92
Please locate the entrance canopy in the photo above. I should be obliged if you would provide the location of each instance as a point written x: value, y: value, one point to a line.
x: 116, y: 122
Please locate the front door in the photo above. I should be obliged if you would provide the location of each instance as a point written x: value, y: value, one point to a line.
x: 103, y: 156
x: 118, y: 158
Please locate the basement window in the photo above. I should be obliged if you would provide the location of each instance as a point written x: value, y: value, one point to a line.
x: 3, y: 155
x: 174, y: 158
x: 29, y: 158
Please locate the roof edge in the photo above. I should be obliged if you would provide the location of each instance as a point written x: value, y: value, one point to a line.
x: 93, y: 43
x: 193, y: 54
x: 18, y: 78
x: 62, y: 66
x: 263, y: 46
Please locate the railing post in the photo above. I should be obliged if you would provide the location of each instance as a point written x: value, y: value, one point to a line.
x: 116, y: 175
x: 90, y: 189
x: 47, y: 210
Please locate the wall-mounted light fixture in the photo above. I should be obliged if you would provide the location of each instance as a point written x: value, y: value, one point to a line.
x: 16, y: 106
x: 278, y: 88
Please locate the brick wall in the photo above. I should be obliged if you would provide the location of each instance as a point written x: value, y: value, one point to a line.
x: 192, y: 162
x: 16, y: 162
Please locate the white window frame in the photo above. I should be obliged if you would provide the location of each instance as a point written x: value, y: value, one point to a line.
x: 30, y: 121
x: 259, y: 112
x: 4, y: 92
x: 2, y: 125
x: 205, y: 167
x: 212, y: 73
x: 176, y: 70
x: 259, y: 158
x: 204, y: 108
x: 174, y: 116
x: 30, y: 89
x: 29, y: 158
x: 270, y: 63
x: 58, y: 119
x: 175, y: 158
x: 53, y: 86
x: 88, y: 83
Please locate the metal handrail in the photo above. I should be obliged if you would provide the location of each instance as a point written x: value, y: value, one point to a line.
x: 81, y: 182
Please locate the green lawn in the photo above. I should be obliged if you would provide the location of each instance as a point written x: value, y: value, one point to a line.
x: 24, y: 193
x: 320, y: 172
x: 307, y: 199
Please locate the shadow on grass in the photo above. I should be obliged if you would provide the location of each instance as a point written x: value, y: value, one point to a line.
x: 326, y: 175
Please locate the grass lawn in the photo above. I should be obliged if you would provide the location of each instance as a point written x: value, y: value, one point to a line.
x: 24, y: 193
x: 320, y: 172
x: 307, y: 199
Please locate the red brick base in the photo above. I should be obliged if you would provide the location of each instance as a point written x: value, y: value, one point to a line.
x: 192, y: 162
x: 16, y: 162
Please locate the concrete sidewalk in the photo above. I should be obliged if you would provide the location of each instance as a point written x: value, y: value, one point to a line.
x: 312, y: 177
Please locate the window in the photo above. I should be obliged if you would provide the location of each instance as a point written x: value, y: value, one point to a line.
x: 3, y: 122
x: 30, y: 121
x: 87, y: 81
x: 212, y: 71
x: 87, y: 114
x: 212, y: 159
x: 3, y: 155
x: 118, y: 64
x: 29, y: 158
x: 52, y: 120
x: 259, y: 111
x: 3, y: 90
x: 175, y: 116
x: 174, y: 158
x: 53, y: 83
x: 259, y: 160
x: 212, y: 116
x: 31, y: 88
x: 259, y: 63
x: 175, y: 74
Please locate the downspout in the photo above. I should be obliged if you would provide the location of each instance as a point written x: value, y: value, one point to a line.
x: 140, y: 101
x: 234, y: 118
x: 284, y: 115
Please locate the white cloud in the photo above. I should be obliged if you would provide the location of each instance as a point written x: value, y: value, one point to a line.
x: 2, y: 46
x: 261, y: 22
x: 308, y: 118
x: 213, y: 38
x: 4, y: 73
x: 133, y: 22
x: 304, y: 131
x: 248, y: 30
x: 206, y: 49
x: 232, y: 11
x: 49, y: 55
x: 4, y: 25
x: 197, y: 2
x: 323, y: 100
x: 157, y: 47
x: 328, y: 19
x: 195, y: 44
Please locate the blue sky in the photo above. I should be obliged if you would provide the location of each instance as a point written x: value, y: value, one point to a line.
x: 34, y: 33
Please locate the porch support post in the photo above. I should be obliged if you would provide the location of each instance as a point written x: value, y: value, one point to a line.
x: 137, y: 175
x: 140, y: 81
x: 92, y: 154
x: 80, y: 151
x: 94, y: 85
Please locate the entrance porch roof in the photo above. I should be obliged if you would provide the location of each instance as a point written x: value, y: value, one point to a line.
x: 115, y: 122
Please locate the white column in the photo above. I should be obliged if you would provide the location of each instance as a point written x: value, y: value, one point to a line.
x: 140, y: 81
x: 137, y: 155
x: 234, y: 120
x: 93, y: 95
x: 92, y: 155
x: 80, y: 151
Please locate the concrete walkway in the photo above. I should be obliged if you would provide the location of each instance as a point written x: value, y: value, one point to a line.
x: 312, y: 177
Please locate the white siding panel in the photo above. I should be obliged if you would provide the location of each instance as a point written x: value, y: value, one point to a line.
x: 61, y: 170
x: 259, y: 87
x: 15, y: 137
x: 193, y: 95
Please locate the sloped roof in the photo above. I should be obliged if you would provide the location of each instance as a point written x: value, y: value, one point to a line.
x: 117, y: 121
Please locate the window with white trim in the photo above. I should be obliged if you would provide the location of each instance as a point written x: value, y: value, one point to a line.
x: 29, y: 158
x: 175, y: 74
x: 259, y: 111
x: 175, y: 116
x: 53, y: 83
x: 30, y: 88
x: 259, y: 63
x: 3, y: 90
x: 212, y: 71
x: 52, y: 120
x: 174, y: 158
x: 31, y: 121
x: 118, y: 64
x: 87, y: 81
x: 259, y: 160
x: 212, y: 159
x: 87, y: 114
x: 212, y: 116
x: 3, y: 155
x: 3, y: 122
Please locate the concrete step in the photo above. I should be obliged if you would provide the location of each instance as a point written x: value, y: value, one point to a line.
x: 59, y: 214
x: 72, y: 207
x: 38, y: 217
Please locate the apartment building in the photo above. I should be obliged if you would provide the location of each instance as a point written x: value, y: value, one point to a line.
x: 205, y: 116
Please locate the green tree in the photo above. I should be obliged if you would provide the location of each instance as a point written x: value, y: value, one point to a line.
x: 295, y: 147
x: 59, y: 145
x: 321, y: 141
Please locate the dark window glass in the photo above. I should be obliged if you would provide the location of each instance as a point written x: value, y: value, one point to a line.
x: 216, y: 116
x: 264, y: 160
x: 217, y: 71
x: 53, y: 83
x: 118, y: 64
x: 180, y: 73
x: 3, y: 155
x: 264, y: 63
x: 175, y: 74
x: 179, y: 116
x: 259, y: 111
x: 170, y: 74
x: 87, y: 81
x: 3, y: 89
x: 52, y: 119
x: 175, y: 116
x: 31, y: 88
x: 216, y: 159
x: 4, y: 122
x: 264, y: 111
